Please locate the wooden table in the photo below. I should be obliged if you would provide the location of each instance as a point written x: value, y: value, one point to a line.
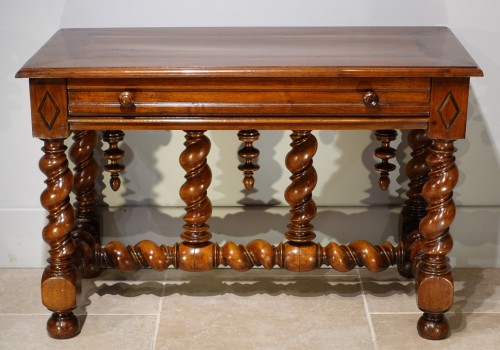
x: 248, y: 79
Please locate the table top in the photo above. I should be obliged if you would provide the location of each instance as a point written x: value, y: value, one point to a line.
x: 256, y: 52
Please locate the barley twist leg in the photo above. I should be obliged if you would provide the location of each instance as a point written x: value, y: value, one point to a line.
x: 299, y: 193
x: 60, y: 280
x: 87, y: 227
x: 414, y: 211
x: 194, y: 191
x: 434, y: 280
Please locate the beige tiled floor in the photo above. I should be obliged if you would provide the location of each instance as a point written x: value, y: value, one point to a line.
x: 255, y: 310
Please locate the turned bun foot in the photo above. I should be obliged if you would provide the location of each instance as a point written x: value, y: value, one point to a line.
x: 433, y: 326
x: 63, y: 326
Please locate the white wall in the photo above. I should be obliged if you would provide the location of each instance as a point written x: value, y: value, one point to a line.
x: 344, y: 160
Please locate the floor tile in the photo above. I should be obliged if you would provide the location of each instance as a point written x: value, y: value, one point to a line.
x: 388, y: 291
x: 118, y: 293
x: 477, y: 290
x: 389, y: 275
x: 23, y: 332
x: 259, y: 309
x: 20, y: 291
x: 321, y: 312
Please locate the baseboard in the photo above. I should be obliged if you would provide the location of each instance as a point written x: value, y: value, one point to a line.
x: 476, y: 230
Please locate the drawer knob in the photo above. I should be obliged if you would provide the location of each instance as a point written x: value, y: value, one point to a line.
x: 370, y: 99
x: 125, y: 99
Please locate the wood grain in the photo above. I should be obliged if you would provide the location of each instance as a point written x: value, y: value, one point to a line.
x: 264, y: 52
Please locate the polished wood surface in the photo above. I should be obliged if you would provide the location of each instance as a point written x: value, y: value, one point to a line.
x: 247, y: 79
x: 316, y: 51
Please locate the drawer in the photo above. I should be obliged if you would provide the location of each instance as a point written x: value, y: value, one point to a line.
x: 249, y: 96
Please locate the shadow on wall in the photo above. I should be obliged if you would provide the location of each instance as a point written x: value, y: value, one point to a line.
x: 230, y: 180
x: 478, y: 161
x: 478, y: 164
x: 253, y: 221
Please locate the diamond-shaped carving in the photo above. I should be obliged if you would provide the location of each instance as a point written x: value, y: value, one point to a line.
x: 449, y: 111
x: 48, y: 110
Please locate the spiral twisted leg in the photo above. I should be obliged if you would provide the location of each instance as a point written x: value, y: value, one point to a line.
x: 434, y: 280
x: 194, y: 191
x: 60, y: 280
x: 299, y: 193
x: 87, y: 226
x: 144, y: 254
x: 417, y: 171
x: 289, y: 255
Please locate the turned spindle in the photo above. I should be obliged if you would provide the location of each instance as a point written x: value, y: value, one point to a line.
x: 248, y: 152
x: 385, y: 152
x: 194, y: 190
x: 113, y: 155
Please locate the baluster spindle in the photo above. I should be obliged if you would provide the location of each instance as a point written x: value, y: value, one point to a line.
x: 248, y: 152
x: 113, y: 155
x: 385, y: 152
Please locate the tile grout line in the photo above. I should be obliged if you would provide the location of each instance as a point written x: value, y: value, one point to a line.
x: 157, y: 328
x: 160, y: 307
x: 367, y: 314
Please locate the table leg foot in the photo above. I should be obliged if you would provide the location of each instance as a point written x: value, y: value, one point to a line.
x: 63, y: 325
x: 433, y: 326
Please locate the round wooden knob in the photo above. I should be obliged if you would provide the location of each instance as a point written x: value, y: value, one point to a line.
x: 370, y: 99
x: 125, y: 99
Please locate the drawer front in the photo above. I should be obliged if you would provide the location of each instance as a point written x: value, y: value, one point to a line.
x: 255, y: 97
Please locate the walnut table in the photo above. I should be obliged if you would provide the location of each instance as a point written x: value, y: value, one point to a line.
x: 95, y: 83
